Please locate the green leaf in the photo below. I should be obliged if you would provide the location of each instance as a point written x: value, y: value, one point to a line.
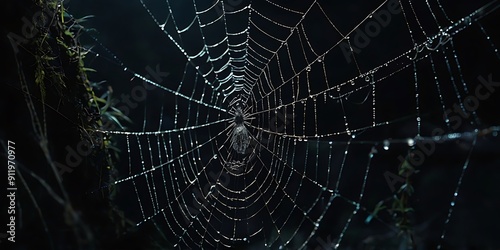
x: 89, y: 70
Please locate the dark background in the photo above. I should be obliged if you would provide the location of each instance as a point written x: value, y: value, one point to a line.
x: 125, y: 30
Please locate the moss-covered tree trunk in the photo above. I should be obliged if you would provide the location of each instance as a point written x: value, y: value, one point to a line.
x: 49, y: 110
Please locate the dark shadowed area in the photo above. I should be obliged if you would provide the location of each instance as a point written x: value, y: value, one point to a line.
x: 253, y: 124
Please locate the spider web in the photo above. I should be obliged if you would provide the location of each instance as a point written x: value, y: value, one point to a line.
x: 281, y: 127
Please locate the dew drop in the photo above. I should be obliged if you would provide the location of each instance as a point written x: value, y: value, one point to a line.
x: 215, y: 156
x: 386, y: 144
x: 308, y: 68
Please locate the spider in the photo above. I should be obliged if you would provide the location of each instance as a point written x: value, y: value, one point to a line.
x: 240, y: 136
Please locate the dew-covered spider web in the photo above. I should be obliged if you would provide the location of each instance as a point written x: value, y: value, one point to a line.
x: 289, y: 121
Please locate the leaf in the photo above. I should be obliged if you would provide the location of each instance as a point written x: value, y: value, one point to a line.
x: 89, y: 70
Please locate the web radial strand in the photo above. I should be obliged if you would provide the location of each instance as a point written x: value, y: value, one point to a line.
x: 281, y: 127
